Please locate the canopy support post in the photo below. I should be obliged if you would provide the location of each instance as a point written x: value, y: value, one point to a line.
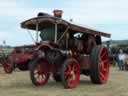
x: 37, y: 31
x: 56, y: 27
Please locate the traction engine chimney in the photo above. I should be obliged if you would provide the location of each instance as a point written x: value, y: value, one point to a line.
x: 58, y: 13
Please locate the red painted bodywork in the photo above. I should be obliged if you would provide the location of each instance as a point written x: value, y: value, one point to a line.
x: 22, y: 54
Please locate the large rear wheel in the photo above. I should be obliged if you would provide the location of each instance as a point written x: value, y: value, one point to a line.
x: 39, y: 72
x: 70, y: 73
x: 99, y: 70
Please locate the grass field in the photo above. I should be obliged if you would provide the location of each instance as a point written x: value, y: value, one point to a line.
x: 19, y: 84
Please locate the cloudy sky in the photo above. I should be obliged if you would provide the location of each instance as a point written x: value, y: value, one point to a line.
x: 104, y: 15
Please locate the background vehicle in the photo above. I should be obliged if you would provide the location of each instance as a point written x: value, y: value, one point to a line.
x: 18, y: 57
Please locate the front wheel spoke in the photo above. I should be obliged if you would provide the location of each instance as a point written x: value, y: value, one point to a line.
x: 73, y: 77
x: 74, y: 68
x: 69, y: 67
x: 67, y: 73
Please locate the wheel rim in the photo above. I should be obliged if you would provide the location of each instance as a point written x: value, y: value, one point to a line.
x: 72, y: 74
x: 103, y: 65
x: 42, y: 73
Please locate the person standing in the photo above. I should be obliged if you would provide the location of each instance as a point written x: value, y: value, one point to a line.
x: 121, y: 58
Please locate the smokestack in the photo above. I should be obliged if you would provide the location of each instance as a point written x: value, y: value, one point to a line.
x: 58, y: 13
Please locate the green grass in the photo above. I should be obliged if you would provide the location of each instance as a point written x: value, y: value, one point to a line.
x: 19, y: 84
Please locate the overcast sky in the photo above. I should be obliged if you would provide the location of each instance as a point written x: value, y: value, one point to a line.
x: 104, y: 15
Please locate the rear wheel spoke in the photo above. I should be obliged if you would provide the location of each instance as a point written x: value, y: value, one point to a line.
x: 102, y: 75
x: 103, y: 54
x: 104, y: 69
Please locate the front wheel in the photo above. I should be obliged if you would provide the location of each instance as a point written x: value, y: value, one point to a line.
x: 70, y: 74
x: 100, y: 64
x: 39, y: 72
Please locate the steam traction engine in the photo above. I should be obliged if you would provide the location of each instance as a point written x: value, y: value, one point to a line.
x: 66, y: 50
